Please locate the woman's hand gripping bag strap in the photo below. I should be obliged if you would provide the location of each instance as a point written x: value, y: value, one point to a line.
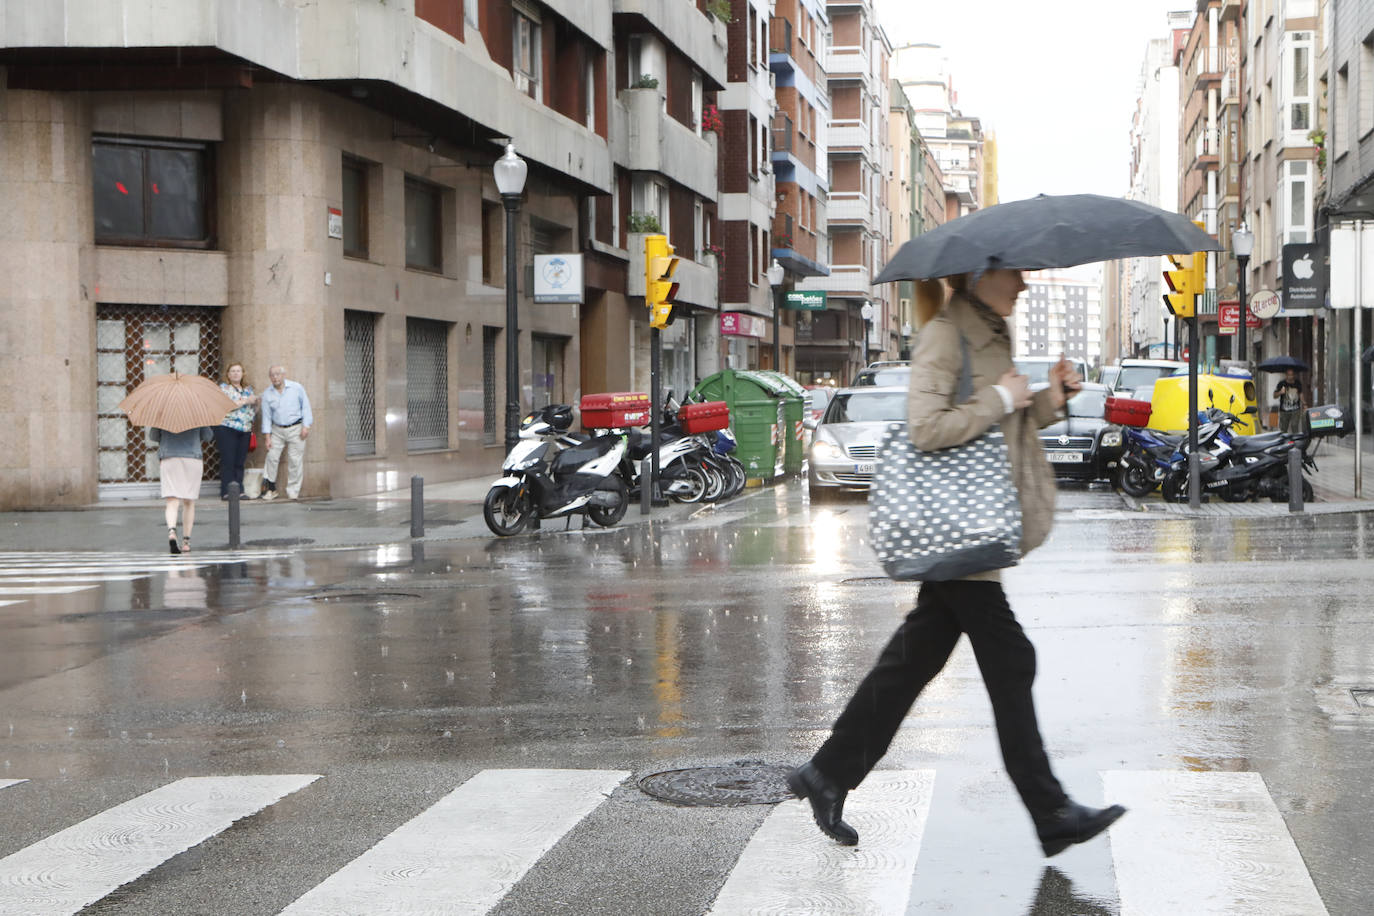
x: 944, y: 514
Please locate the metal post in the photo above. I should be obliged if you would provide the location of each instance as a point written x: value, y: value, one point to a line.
x: 655, y: 411
x: 235, y: 491
x: 1244, y: 353
x: 512, y: 204
x: 417, y: 506
x: 1295, y: 480
x: 777, y: 319
x: 1194, y: 461
x: 646, y: 474
x: 1358, y: 314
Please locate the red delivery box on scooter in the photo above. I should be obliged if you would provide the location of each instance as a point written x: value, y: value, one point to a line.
x: 615, y: 410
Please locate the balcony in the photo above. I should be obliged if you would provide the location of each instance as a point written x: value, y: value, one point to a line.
x: 961, y: 186
x: 1208, y: 62
x: 653, y: 141
x: 845, y: 280
x: 852, y: 137
x: 1230, y: 10
x: 847, y: 63
x: 850, y: 207
x: 1206, y: 149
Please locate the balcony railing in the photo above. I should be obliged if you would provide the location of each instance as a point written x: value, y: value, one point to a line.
x: 846, y: 62
x: 850, y: 206
x: 780, y: 35
x: 847, y: 135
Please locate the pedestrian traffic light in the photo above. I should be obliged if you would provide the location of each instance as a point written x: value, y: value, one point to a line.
x: 659, y: 288
x: 1183, y: 285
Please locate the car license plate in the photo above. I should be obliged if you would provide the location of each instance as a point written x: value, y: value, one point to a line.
x: 863, y: 469
x: 1065, y: 457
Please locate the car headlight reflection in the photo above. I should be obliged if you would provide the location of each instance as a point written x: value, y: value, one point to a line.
x: 826, y: 451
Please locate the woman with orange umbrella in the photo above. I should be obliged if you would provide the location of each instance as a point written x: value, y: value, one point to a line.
x: 182, y: 411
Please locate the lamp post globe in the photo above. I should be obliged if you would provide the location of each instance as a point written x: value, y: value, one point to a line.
x: 1242, y: 244
x: 510, y: 171
x: 775, y: 277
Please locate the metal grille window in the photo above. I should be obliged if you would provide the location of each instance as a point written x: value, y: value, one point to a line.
x: 489, y: 338
x: 426, y: 384
x: 360, y: 383
x: 134, y: 343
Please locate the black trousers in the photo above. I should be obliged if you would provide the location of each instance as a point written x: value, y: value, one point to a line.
x: 233, y: 454
x: 915, y: 654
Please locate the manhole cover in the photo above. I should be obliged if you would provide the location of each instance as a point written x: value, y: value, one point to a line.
x: 278, y: 542
x: 720, y: 787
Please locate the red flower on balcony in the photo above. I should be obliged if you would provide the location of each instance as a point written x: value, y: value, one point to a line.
x: 711, y: 120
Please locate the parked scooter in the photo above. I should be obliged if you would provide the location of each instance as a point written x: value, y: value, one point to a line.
x: 551, y: 473
x: 1148, y: 455
x: 685, y: 473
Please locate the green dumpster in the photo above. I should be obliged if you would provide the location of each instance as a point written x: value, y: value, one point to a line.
x: 756, y: 416
x: 794, y: 410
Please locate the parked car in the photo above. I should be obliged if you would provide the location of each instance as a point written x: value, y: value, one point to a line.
x: 817, y: 399
x: 1037, y: 369
x: 844, y: 445
x: 1109, y: 375
x: 1139, y: 373
x: 1084, y: 446
x: 883, y: 375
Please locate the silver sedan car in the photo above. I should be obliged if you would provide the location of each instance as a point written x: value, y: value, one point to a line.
x: 844, y: 445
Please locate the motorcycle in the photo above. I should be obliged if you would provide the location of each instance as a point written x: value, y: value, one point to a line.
x: 685, y: 470
x: 551, y: 473
x: 1148, y: 455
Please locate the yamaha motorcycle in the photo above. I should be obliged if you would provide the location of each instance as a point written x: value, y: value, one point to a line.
x: 551, y: 473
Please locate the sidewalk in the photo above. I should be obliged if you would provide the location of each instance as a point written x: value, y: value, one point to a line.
x: 1333, y: 484
x: 452, y: 511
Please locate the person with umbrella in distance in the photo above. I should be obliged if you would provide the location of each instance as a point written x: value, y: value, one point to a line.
x: 1288, y: 392
x: 963, y: 383
x: 182, y: 411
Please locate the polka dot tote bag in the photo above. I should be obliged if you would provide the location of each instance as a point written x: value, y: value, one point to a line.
x: 948, y: 513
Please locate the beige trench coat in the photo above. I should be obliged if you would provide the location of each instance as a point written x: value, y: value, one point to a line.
x: 935, y: 421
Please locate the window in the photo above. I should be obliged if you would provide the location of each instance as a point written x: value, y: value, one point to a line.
x: 424, y: 208
x: 360, y: 383
x: 1297, y: 200
x: 650, y: 196
x: 1340, y: 113
x: 526, y: 59
x: 151, y: 193
x: 354, y: 207
x: 470, y: 13
x: 492, y: 225
x: 753, y: 146
x: 426, y: 384
x: 698, y: 236
x: 546, y: 364
x: 1297, y: 85
x: 489, y: 338
x: 590, y: 78
x: 1366, y: 100
x: 696, y: 102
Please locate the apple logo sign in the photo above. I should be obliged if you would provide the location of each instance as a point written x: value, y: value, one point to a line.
x: 1302, y: 267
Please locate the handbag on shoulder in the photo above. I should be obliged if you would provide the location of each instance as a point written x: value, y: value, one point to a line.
x: 948, y: 513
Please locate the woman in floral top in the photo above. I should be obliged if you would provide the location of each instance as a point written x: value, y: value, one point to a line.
x: 233, y: 434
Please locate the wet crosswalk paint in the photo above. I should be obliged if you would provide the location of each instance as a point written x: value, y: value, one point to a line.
x: 1194, y: 842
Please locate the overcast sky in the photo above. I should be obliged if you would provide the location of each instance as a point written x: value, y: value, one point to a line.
x: 1056, y: 79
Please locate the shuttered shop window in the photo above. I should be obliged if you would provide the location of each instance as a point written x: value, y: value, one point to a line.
x: 426, y: 384
x: 360, y: 382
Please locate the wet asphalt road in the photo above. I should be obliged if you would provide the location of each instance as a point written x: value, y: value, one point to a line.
x: 398, y: 673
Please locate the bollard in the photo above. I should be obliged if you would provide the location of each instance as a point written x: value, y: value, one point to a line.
x: 234, y: 491
x: 645, y: 475
x: 1295, y: 480
x: 417, y: 506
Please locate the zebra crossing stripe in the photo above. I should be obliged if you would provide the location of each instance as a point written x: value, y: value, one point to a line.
x: 71, y: 869
x: 466, y: 851
x: 790, y: 867
x: 4, y: 783
x: 1204, y: 843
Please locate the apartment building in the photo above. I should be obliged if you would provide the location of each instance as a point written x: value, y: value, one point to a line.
x: 800, y: 161
x: 838, y: 341
x: 916, y: 202
x: 312, y: 185
x: 1060, y: 314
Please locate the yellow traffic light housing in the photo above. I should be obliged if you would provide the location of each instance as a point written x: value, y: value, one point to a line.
x: 659, y: 288
x: 1184, y: 285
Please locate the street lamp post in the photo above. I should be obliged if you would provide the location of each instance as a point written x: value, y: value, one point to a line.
x: 1242, y: 243
x: 775, y: 275
x: 510, y: 171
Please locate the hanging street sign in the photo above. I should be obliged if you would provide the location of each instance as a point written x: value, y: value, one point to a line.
x: 807, y: 300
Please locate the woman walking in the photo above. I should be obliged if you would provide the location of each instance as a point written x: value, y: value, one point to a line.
x: 975, y: 605
x: 180, y: 466
x: 234, y: 434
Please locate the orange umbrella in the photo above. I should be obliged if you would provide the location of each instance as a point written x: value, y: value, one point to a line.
x: 176, y: 403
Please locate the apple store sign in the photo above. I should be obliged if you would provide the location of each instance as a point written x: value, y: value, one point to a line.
x: 1304, y: 277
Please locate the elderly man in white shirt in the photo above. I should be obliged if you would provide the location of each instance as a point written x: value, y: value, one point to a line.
x: 286, y: 422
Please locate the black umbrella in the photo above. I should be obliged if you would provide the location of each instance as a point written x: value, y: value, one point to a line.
x: 1282, y: 364
x: 1046, y: 231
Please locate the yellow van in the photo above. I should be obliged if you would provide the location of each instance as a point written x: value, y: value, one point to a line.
x: 1233, y: 393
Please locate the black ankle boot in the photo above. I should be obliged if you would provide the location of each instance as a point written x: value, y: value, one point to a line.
x: 827, y: 802
x: 1074, y: 823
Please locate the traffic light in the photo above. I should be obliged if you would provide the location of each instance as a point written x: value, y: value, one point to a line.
x: 659, y: 288
x: 1183, y: 284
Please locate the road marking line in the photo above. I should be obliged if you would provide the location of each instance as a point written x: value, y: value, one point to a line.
x: 1204, y: 843
x: 11, y: 782
x: 790, y: 867
x: 44, y: 589
x: 94, y: 577
x: 466, y: 851
x: 72, y: 869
